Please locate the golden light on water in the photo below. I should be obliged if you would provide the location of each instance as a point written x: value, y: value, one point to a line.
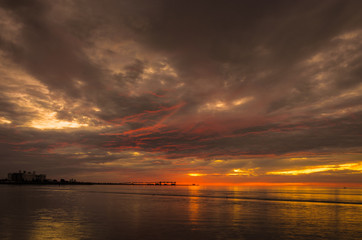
x: 58, y: 224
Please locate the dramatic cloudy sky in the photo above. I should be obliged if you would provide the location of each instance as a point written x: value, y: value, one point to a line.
x: 191, y: 91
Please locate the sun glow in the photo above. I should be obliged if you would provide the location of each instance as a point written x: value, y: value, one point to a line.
x: 43, y: 115
x: 242, y: 101
x: 349, y: 166
x: 136, y: 154
x: 242, y: 172
x: 50, y: 122
x: 223, y: 105
x: 196, y: 174
x: 4, y: 121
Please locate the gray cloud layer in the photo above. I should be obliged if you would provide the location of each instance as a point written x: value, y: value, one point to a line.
x: 170, y: 86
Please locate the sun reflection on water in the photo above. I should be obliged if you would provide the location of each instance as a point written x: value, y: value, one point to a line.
x: 194, y: 205
x: 58, y: 224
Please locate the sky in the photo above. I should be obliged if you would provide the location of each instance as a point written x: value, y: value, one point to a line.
x: 210, y: 92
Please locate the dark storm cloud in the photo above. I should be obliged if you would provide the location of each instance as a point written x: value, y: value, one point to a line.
x: 48, y: 50
x: 97, y: 86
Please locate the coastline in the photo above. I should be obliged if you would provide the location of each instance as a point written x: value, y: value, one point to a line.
x: 97, y: 183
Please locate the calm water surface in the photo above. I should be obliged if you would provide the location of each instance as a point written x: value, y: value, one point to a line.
x: 166, y: 212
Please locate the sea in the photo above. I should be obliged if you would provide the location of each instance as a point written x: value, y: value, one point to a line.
x: 179, y: 212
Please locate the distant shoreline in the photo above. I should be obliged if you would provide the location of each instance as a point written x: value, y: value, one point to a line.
x: 93, y: 183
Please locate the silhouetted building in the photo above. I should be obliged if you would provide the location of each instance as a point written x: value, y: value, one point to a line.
x: 26, y: 177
